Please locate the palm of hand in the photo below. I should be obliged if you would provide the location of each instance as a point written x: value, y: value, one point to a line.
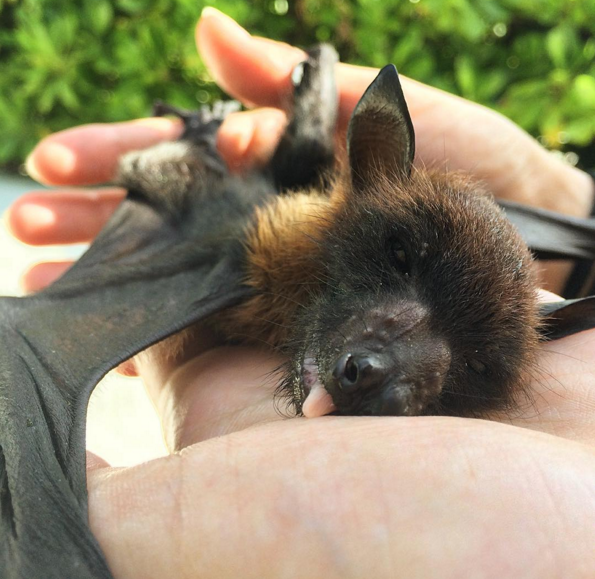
x: 424, y: 480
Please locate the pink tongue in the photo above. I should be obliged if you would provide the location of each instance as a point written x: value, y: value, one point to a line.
x: 318, y: 402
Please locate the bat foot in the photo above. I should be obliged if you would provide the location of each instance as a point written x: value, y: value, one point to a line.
x: 218, y: 111
x: 201, y: 123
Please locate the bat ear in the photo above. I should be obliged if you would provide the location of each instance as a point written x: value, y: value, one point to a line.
x: 380, y: 137
x: 567, y: 317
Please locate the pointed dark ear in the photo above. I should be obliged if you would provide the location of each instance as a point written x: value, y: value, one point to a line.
x: 380, y: 135
x: 567, y: 317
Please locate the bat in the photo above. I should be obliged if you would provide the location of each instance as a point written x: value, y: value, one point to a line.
x: 391, y: 290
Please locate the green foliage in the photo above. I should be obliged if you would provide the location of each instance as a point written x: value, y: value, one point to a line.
x: 67, y: 63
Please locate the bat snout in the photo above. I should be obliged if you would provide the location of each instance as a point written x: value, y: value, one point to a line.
x: 389, y: 365
x: 392, y: 383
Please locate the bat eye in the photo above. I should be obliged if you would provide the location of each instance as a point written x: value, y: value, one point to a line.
x: 398, y: 256
x: 477, y: 366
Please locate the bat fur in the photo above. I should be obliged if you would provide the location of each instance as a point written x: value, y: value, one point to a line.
x: 391, y: 290
x: 448, y: 329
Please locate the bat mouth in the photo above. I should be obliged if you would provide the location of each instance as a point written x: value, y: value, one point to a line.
x: 317, y: 401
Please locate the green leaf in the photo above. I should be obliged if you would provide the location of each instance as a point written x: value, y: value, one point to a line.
x: 102, y: 15
x: 133, y: 7
x: 116, y: 56
x: 67, y: 96
x: 407, y: 47
x: 583, y: 90
x: 562, y: 45
x: 465, y: 75
x: 580, y: 131
x: 491, y: 84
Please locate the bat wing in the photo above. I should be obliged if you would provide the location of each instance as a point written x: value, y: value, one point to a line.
x: 171, y: 255
x: 567, y: 317
x: 149, y: 274
x: 552, y: 235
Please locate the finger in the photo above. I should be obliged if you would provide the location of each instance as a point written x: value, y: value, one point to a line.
x: 57, y: 217
x: 88, y: 155
x: 127, y: 369
x: 560, y: 396
x: 241, y: 64
x: 257, y: 70
x: 201, y: 389
x: 545, y: 296
x: 324, y: 497
x: 43, y: 274
x: 248, y: 139
x: 95, y: 462
x: 224, y: 390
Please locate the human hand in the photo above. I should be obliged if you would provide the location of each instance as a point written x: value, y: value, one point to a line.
x: 450, y: 132
x: 355, y: 497
x: 304, y: 522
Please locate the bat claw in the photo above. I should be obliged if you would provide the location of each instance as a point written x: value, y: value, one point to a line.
x: 218, y: 111
x: 160, y: 109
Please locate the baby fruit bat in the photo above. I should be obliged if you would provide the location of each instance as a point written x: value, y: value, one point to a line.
x: 391, y: 290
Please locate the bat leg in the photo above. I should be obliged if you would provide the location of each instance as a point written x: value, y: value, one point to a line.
x: 200, y: 126
x: 567, y: 317
x: 171, y: 171
x: 305, y: 155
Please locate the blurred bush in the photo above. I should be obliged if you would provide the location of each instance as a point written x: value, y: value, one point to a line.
x: 67, y: 63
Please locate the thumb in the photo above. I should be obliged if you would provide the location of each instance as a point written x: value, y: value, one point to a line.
x: 95, y: 462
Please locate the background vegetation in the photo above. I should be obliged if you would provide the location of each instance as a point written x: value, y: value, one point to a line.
x: 67, y: 63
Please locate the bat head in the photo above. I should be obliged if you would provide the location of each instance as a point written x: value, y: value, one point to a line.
x: 429, y: 301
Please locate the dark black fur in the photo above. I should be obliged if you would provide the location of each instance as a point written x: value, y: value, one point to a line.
x: 447, y: 335
x: 161, y: 264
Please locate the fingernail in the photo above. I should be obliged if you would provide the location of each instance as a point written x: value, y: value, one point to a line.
x: 35, y: 216
x: 59, y: 160
x: 31, y: 168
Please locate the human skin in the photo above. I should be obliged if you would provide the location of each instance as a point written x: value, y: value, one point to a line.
x: 333, y: 497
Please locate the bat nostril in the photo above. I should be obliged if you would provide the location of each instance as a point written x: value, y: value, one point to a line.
x: 355, y: 371
x: 346, y: 372
x: 352, y: 371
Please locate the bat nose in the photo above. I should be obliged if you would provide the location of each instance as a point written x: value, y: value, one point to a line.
x: 358, y: 371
